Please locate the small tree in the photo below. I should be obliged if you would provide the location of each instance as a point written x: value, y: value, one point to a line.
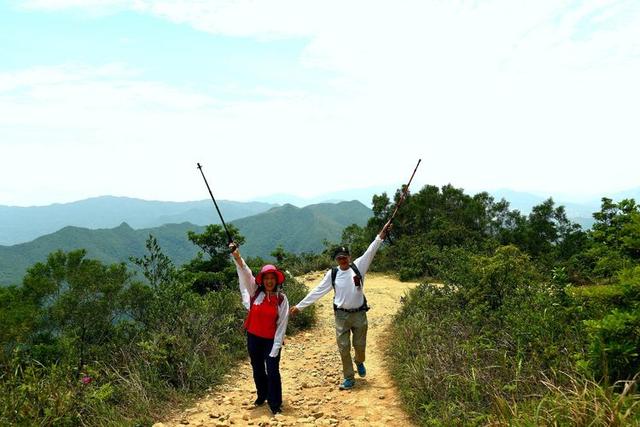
x: 156, y: 266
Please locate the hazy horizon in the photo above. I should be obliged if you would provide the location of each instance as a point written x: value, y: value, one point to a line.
x: 315, y: 198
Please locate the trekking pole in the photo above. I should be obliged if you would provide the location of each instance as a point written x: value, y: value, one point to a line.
x: 404, y: 193
x: 216, y: 205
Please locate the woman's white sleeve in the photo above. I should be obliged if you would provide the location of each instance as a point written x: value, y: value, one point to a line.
x: 247, y: 282
x: 281, y: 327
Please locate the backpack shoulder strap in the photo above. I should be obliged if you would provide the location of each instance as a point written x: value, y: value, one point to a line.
x: 334, y: 274
x: 355, y: 270
x: 365, y: 305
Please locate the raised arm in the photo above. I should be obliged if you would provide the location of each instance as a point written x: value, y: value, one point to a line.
x: 248, y: 285
x: 315, y: 294
x: 364, y: 261
x: 281, y: 327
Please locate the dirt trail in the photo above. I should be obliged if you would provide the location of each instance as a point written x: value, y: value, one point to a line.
x: 311, y: 371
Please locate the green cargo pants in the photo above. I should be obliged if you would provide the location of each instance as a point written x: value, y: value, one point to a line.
x: 347, y: 323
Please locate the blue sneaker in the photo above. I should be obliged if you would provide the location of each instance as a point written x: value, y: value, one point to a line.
x: 347, y: 384
x: 362, y: 371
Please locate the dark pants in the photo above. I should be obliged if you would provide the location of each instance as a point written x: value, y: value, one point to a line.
x: 268, y: 384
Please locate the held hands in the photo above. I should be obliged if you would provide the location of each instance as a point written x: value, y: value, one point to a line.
x: 293, y: 311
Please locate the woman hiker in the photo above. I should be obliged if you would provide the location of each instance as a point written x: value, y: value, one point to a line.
x: 349, y: 304
x: 266, y: 324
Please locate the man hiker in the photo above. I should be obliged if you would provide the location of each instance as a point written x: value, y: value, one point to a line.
x: 349, y: 304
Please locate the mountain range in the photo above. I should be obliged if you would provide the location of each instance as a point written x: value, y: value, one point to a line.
x: 114, y: 228
x: 23, y: 224
x: 296, y: 229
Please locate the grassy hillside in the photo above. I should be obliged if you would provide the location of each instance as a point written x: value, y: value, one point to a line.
x: 108, y: 245
x: 23, y: 224
x: 297, y: 230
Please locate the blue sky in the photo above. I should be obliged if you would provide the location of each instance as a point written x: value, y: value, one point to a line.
x: 176, y: 54
x: 309, y: 97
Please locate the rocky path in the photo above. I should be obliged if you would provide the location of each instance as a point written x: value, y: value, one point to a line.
x: 311, y: 372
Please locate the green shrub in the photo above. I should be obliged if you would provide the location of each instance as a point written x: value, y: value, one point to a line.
x: 296, y: 291
x: 137, y: 345
x: 493, y: 329
x: 596, y: 301
x: 612, y: 327
x: 614, y: 346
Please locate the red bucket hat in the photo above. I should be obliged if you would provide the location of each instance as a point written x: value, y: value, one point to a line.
x: 270, y: 269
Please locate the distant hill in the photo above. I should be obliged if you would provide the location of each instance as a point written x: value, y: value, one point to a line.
x: 294, y: 228
x: 363, y: 195
x: 300, y: 229
x: 23, y: 224
x: 108, y: 245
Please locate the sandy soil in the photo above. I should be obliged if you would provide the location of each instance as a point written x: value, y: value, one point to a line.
x: 311, y: 372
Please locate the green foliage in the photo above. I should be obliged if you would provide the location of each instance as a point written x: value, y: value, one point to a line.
x: 436, y: 220
x: 298, y: 230
x: 213, y: 242
x: 613, y: 331
x: 596, y: 301
x: 110, y: 246
x: 296, y: 291
x: 355, y: 239
x: 614, y: 240
x: 85, y: 343
x: 279, y: 254
x: 156, y: 266
x: 509, y: 317
x: 493, y: 329
x: 577, y: 401
x: 212, y: 269
x: 507, y: 323
x: 614, y: 345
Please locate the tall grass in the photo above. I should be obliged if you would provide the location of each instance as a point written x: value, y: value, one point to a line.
x: 578, y: 401
x: 500, y: 344
x: 188, y: 343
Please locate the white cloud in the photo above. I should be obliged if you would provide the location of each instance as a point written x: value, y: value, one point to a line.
x: 534, y: 95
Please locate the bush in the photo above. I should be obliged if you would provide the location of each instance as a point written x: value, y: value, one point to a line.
x: 596, y: 301
x: 296, y: 291
x: 87, y: 344
x: 612, y: 328
x: 614, y: 346
x: 491, y: 331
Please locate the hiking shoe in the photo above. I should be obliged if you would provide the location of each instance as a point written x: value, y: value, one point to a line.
x: 276, y: 410
x: 347, y: 384
x: 362, y: 371
x: 259, y: 402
